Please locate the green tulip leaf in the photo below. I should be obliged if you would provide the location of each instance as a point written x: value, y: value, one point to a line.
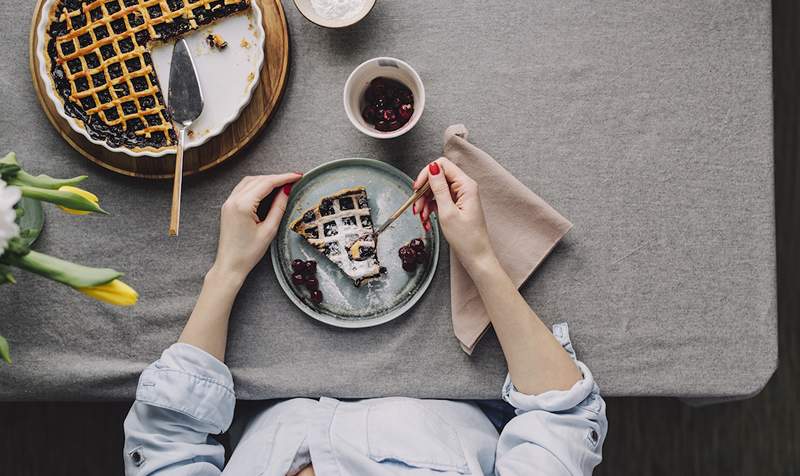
x: 9, y: 166
x: 64, y: 272
x: 4, y: 350
x: 14, y: 175
x: 44, y: 181
x: 30, y: 218
x: 5, y: 275
x: 63, y: 198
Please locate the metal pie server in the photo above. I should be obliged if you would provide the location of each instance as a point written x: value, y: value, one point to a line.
x: 185, y: 100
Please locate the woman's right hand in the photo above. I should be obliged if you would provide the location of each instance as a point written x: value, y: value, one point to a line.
x: 454, y: 197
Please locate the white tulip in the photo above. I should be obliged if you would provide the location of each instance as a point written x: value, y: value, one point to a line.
x: 9, y: 196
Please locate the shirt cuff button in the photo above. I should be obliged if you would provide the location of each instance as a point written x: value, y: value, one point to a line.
x: 137, y: 458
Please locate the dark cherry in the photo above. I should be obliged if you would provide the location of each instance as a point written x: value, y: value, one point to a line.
x: 406, y: 111
x: 405, y: 252
x: 316, y: 296
x: 389, y: 104
x: 309, y: 268
x: 417, y: 245
x: 389, y: 115
x: 311, y: 283
x: 298, y: 279
x: 406, y: 97
x: 298, y: 265
x: 378, y: 90
x: 370, y: 114
x: 409, y: 266
x: 421, y: 256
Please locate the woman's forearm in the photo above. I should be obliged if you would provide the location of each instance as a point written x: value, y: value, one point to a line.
x: 535, y: 359
x: 207, y: 327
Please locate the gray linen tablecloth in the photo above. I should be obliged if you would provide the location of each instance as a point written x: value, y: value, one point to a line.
x: 647, y: 124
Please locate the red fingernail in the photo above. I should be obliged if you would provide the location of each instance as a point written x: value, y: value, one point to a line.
x: 427, y: 226
x: 287, y: 189
x: 433, y: 168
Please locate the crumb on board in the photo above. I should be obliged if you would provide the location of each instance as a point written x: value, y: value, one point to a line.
x: 216, y: 41
x: 244, y: 43
x: 251, y: 77
x: 190, y: 133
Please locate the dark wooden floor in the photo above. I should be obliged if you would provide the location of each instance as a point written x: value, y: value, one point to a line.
x: 648, y: 436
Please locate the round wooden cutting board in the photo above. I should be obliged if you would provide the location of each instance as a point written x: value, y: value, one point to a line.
x: 238, y: 134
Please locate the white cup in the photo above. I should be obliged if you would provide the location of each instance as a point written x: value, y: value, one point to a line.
x: 359, y: 80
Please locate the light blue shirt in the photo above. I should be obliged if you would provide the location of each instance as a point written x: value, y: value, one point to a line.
x: 187, y: 395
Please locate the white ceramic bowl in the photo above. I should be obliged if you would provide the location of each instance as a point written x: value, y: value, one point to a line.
x: 306, y: 8
x: 360, y: 78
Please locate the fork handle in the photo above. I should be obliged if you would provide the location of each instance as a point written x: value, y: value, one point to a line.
x: 175, y: 213
x: 413, y: 198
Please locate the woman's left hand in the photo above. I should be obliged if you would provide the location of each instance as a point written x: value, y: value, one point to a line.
x: 243, y: 238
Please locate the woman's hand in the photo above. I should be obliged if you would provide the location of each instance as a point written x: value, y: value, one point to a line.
x: 536, y: 361
x: 243, y: 239
x: 455, y: 199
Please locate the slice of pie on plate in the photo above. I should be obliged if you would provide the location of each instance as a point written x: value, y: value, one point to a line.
x: 340, y: 227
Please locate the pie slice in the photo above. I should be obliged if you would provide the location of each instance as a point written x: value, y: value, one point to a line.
x: 340, y: 227
x: 98, y: 55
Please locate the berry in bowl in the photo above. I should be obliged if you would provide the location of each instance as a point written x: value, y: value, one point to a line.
x: 384, y: 97
x: 390, y: 104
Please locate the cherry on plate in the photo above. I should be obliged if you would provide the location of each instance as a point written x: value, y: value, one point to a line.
x: 309, y: 267
x: 298, y: 279
x: 409, y: 266
x: 405, y: 252
x: 417, y: 245
x: 316, y: 296
x: 298, y: 266
x: 311, y: 283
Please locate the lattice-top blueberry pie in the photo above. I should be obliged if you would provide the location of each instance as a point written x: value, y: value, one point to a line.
x: 98, y: 54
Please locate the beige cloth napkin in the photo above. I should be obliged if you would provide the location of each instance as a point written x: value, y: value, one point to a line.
x: 523, y: 229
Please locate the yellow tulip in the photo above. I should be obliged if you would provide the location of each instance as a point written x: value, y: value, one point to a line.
x: 83, y: 193
x: 116, y: 292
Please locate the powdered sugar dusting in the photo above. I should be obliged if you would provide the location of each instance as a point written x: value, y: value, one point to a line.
x: 338, y: 9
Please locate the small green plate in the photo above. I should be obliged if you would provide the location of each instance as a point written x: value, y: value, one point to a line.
x: 32, y: 221
x: 377, y: 301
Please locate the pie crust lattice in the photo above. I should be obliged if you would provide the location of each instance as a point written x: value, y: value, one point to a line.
x: 100, y: 63
x: 340, y: 227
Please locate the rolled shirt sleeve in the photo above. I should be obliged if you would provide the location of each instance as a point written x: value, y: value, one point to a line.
x: 181, y: 400
x: 560, y: 432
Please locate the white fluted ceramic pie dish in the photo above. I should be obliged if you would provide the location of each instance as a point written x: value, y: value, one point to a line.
x: 227, y: 77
